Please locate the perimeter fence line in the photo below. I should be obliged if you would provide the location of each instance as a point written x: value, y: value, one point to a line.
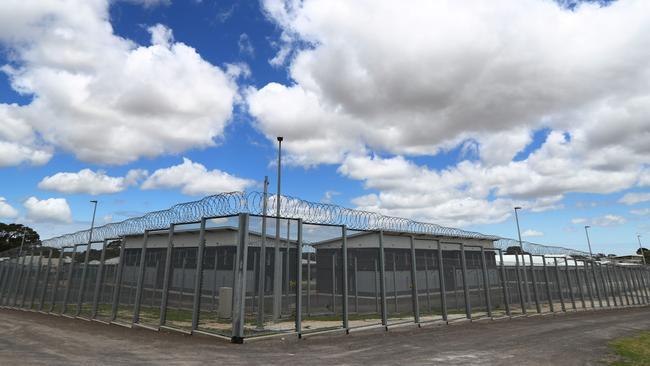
x: 247, y: 276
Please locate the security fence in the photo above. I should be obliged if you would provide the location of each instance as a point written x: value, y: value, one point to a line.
x: 225, y: 266
x: 249, y: 275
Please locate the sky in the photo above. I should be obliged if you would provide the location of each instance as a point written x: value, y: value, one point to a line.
x: 451, y: 112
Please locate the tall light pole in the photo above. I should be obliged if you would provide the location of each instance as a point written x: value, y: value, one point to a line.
x: 638, y: 237
x: 277, y: 268
x: 84, y: 273
x: 522, y: 256
x: 591, y: 254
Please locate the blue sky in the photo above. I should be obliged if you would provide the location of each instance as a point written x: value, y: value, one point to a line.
x: 455, y: 122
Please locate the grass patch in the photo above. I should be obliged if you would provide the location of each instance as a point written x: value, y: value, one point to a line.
x: 634, y: 351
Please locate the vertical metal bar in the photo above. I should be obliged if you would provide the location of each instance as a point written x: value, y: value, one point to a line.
x: 261, y: 279
x: 524, y: 310
x: 118, y: 282
x: 426, y: 282
x: 99, y: 280
x: 239, y: 290
x: 632, y: 286
x: 559, y: 285
x: 27, y: 279
x: 624, y: 285
x: 593, y: 274
x: 414, y: 284
x: 141, y: 272
x: 309, y: 283
x: 504, y: 285
x: 57, y: 278
x: 468, y: 305
x: 198, y: 277
x: 486, y: 283
x: 299, y: 277
x: 395, y: 282
x: 569, y: 285
x: 5, y: 268
x: 525, y: 279
x: 612, y: 284
x: 382, y: 280
x: 619, y: 285
x: 167, y: 276
x: 21, y: 274
x: 441, y: 279
x: 48, y: 268
x: 356, y: 286
x: 36, y: 280
x: 635, y: 279
x: 534, y: 281
x: 286, y: 266
x: 582, y: 297
x: 334, y: 283
x: 643, y: 284
x: 604, y: 283
x: 376, y: 286
x: 588, y: 284
x: 183, y: 267
x: 82, y: 281
x: 214, y: 285
x: 344, y: 279
x: 66, y: 294
x: 548, y: 285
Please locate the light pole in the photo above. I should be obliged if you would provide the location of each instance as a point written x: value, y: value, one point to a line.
x: 84, y: 273
x: 591, y: 254
x: 522, y: 257
x: 277, y: 268
x: 638, y: 237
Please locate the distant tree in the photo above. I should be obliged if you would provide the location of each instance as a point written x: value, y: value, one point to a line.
x: 645, y: 252
x: 11, y: 236
x: 515, y: 250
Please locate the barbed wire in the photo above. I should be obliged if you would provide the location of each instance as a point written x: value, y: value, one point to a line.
x: 233, y: 203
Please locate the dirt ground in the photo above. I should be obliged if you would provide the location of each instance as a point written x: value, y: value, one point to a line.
x: 568, y: 339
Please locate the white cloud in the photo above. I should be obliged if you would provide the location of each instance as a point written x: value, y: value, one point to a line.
x: 532, y: 233
x: 102, y: 97
x: 149, y: 3
x: 328, y: 195
x: 578, y: 221
x: 48, y: 210
x: 194, y: 179
x: 88, y: 181
x: 444, y: 74
x: 245, y: 45
x: 641, y: 211
x: 608, y: 220
x: 6, y: 210
x: 634, y: 198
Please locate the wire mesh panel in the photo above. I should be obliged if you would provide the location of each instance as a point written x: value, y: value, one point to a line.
x: 398, y: 279
x: 454, y: 283
x: 428, y: 281
x: 108, y: 280
x: 28, y: 279
x: 73, y: 282
x: 494, y: 283
x: 61, y: 280
x: 88, y: 280
x: 129, y: 278
x: 30, y: 301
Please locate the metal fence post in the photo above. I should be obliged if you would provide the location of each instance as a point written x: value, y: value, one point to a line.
x: 299, y: 278
x: 57, y: 278
x: 639, y: 291
x: 559, y: 285
x: 167, y: 275
x: 82, y: 281
x: 198, y: 278
x: 579, y: 282
x: 534, y: 281
x: 593, y: 274
x: 382, y: 280
x: 99, y: 278
x: 27, y: 279
x: 524, y: 310
x: 239, y: 291
x: 21, y: 274
x: 45, y: 281
x: 32, y: 296
x: 612, y: 284
x: 344, y: 277
x: 630, y: 284
x: 463, y: 264
x: 5, y: 269
x: 568, y: 281
x: 548, y: 285
x: 414, y: 284
x: 504, y: 285
x: 622, y: 280
x: 118, y: 282
x: 441, y: 280
x: 141, y: 270
x: 486, y: 283
x: 643, y: 284
x: 66, y: 294
x: 604, y: 283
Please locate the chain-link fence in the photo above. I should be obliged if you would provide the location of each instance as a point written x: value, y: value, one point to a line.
x: 249, y: 275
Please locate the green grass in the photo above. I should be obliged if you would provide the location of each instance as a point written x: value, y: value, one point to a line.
x: 633, y: 351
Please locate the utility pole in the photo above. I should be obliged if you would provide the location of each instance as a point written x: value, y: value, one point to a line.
x: 277, y: 267
x: 638, y: 237
x: 591, y: 254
